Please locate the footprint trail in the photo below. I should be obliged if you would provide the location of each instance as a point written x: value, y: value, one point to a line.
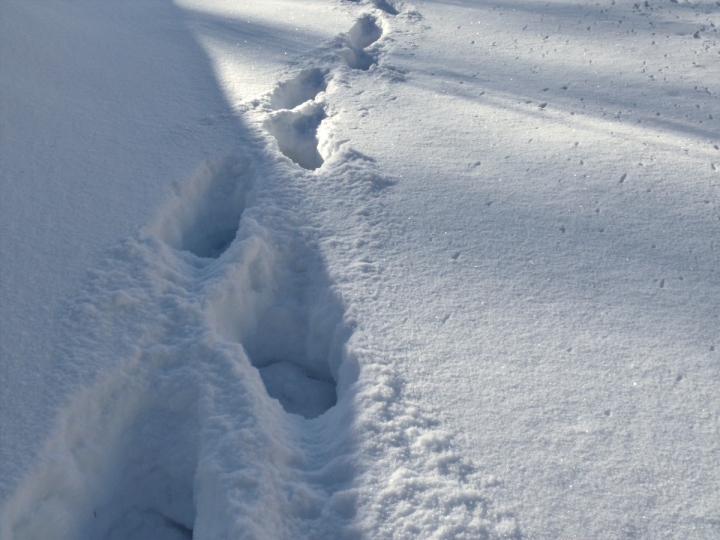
x: 296, y: 112
x: 227, y: 389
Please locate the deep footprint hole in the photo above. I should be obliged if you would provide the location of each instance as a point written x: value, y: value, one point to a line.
x: 357, y: 58
x: 153, y: 494
x: 298, y: 390
x: 304, y: 87
x: 364, y: 33
x: 384, y: 5
x: 204, y: 216
x: 297, y: 349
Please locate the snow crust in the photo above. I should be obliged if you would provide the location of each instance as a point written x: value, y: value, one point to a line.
x: 377, y: 269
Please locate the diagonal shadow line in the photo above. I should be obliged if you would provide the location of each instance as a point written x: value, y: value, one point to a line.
x: 567, y: 10
x: 571, y: 102
x: 656, y: 104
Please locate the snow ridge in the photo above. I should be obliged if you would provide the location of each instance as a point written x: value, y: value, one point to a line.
x: 226, y: 388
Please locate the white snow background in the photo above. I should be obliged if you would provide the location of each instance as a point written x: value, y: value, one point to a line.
x: 377, y: 269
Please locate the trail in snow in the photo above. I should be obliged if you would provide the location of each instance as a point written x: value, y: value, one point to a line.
x: 233, y: 393
x: 297, y: 116
x: 510, y: 216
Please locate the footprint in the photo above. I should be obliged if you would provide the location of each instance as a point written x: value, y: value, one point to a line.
x: 279, y: 307
x: 384, y: 5
x: 364, y: 33
x: 304, y: 87
x: 298, y: 390
x: 204, y: 215
x: 297, y: 116
x: 297, y: 348
x: 152, y: 498
x: 296, y: 133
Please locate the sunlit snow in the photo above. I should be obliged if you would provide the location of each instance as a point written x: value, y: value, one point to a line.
x: 304, y: 269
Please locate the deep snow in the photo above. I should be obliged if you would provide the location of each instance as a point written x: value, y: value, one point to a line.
x: 337, y: 269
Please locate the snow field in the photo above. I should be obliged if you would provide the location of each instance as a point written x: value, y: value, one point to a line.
x: 238, y: 399
x: 455, y: 278
x: 538, y: 319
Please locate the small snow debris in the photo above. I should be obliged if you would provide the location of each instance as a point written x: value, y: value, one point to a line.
x: 623, y: 177
x: 507, y: 528
x: 543, y: 105
x: 492, y: 481
x: 123, y: 299
x: 433, y: 442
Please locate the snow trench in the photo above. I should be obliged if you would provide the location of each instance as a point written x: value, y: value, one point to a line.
x: 232, y: 336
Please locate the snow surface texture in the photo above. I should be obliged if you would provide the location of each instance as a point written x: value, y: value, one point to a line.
x: 505, y: 211
x: 229, y: 399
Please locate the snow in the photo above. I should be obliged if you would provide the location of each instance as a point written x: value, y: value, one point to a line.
x: 338, y: 269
